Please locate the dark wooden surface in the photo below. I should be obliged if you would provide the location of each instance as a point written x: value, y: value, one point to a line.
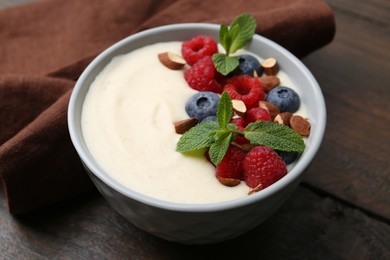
x: 340, y: 211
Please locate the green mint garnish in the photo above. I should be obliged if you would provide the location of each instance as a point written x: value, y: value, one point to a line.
x: 198, y: 137
x: 275, y: 136
x: 233, y: 38
x: 217, y: 136
x: 225, y: 110
x: 219, y: 147
x: 225, y: 64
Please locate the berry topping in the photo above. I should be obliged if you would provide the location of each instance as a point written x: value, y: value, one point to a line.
x: 285, y: 98
x: 263, y: 166
x: 197, y: 48
x: 231, y: 165
x: 247, y: 135
x: 201, y: 76
x: 209, y: 119
x: 248, y: 65
x: 288, y: 157
x: 241, y: 124
x: 202, y: 105
x: 245, y: 88
x: 256, y: 114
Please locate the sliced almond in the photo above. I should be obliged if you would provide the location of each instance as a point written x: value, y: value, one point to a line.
x: 272, y: 109
x: 255, y: 189
x: 300, y: 125
x: 239, y: 107
x: 229, y: 181
x: 270, y: 66
x: 269, y: 82
x: 246, y: 147
x: 283, y: 118
x: 171, y: 60
x: 183, y: 126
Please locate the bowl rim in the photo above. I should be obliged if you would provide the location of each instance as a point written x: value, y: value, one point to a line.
x: 292, y: 175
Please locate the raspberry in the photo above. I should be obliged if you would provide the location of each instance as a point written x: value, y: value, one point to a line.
x: 231, y: 164
x: 245, y: 88
x: 262, y: 165
x: 256, y: 114
x: 201, y: 76
x: 241, y: 124
x: 197, y: 48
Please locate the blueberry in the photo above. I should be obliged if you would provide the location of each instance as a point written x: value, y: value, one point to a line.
x: 285, y: 98
x: 248, y: 64
x: 288, y: 157
x: 202, y: 104
x: 209, y: 119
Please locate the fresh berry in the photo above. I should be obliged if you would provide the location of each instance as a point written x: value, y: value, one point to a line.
x: 201, y: 76
x: 248, y: 65
x: 231, y: 164
x: 288, y: 157
x: 256, y: 114
x: 202, y: 104
x: 197, y: 48
x: 285, y: 98
x: 262, y: 165
x: 245, y: 88
x: 241, y: 124
x: 209, y: 119
x: 221, y: 79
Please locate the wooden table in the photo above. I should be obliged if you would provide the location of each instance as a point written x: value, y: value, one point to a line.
x: 340, y: 211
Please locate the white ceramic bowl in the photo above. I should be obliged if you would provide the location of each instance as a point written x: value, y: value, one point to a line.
x: 204, y: 223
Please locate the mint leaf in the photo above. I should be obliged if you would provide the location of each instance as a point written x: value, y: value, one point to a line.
x: 225, y: 110
x: 233, y: 34
x: 225, y: 64
x: 198, y: 137
x: 232, y: 127
x: 275, y: 136
x: 220, y: 146
x: 246, y: 25
x: 232, y: 38
x: 224, y: 38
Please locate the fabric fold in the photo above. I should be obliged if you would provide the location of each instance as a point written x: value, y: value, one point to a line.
x: 38, y: 162
x: 47, y: 44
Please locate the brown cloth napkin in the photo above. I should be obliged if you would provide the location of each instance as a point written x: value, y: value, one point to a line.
x: 44, y: 46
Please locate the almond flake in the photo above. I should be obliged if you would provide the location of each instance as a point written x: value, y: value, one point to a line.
x: 239, y: 107
x: 229, y: 181
x: 269, y: 82
x: 171, y: 60
x: 255, y: 189
x: 272, y: 109
x: 183, y: 126
x: 300, y: 125
x: 270, y: 66
x: 283, y: 118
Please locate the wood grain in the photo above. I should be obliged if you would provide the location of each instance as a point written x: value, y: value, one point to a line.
x: 353, y: 74
x: 374, y: 11
x: 308, y: 226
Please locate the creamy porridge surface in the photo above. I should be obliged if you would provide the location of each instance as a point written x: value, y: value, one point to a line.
x: 127, y: 123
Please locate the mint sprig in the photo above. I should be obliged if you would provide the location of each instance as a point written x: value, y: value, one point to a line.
x: 275, y: 136
x: 217, y: 136
x: 233, y: 38
x: 198, y: 137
